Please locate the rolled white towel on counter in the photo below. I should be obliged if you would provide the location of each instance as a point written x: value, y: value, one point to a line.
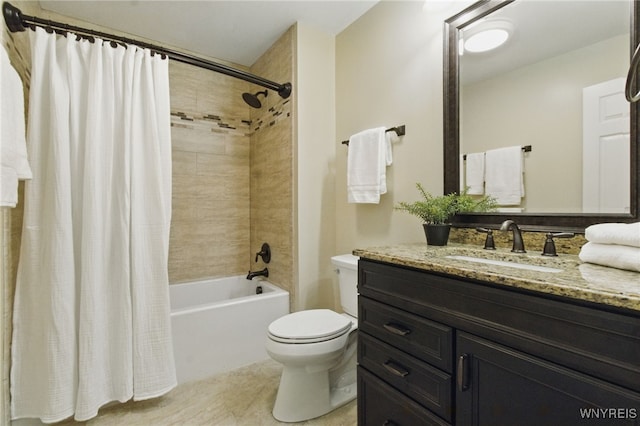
x: 614, y: 256
x: 626, y: 234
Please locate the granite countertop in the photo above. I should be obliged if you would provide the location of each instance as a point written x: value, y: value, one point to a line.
x: 576, y: 280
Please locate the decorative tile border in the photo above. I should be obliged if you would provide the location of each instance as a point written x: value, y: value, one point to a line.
x: 275, y: 114
x: 218, y: 123
x: 212, y: 122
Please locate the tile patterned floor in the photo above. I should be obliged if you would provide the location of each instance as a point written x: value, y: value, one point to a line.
x: 242, y: 397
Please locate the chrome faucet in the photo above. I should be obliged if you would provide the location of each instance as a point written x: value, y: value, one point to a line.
x: 518, y: 244
x: 263, y: 273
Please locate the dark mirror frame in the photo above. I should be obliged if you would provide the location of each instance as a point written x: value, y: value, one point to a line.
x: 530, y: 221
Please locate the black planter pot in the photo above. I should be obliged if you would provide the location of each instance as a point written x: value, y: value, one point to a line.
x: 437, y: 235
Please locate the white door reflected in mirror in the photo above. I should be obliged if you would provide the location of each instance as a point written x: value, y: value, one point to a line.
x: 606, y: 152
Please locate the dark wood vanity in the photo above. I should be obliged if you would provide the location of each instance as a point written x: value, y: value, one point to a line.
x: 440, y: 347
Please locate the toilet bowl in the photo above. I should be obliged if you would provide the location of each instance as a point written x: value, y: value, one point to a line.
x: 317, y: 349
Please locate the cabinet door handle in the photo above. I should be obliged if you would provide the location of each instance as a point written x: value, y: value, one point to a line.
x: 462, y: 375
x: 396, y: 369
x: 396, y: 329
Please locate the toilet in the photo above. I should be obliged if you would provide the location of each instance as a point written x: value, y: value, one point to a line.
x: 317, y: 349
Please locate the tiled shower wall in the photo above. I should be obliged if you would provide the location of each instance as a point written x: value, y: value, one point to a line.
x: 272, y: 167
x: 210, y: 141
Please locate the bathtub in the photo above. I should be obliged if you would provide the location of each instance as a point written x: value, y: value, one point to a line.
x: 221, y: 324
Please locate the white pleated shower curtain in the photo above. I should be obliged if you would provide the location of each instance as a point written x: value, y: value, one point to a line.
x: 91, y: 313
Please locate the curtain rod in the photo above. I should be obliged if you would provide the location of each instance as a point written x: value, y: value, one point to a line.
x: 16, y: 21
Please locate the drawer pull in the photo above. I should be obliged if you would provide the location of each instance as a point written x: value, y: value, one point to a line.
x: 396, y: 329
x: 389, y: 423
x: 395, y: 369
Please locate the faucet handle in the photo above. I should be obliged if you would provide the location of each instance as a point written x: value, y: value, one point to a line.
x: 489, y: 244
x: 550, y: 246
x: 265, y: 253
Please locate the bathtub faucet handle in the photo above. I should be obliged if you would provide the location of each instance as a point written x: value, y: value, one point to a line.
x: 263, y: 273
x: 265, y: 253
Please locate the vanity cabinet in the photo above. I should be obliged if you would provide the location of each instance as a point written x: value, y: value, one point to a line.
x: 436, y: 350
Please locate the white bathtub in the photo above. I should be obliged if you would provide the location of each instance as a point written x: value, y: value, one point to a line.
x: 221, y: 324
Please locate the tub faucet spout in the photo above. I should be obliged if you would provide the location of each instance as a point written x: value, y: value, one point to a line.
x: 263, y: 273
x: 518, y: 244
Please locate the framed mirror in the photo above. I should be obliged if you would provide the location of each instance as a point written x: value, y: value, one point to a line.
x: 545, y: 89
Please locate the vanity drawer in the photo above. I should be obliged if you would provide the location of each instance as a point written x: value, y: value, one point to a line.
x: 417, y: 379
x: 426, y: 340
x: 380, y: 404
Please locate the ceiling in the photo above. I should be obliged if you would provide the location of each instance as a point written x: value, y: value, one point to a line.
x: 234, y: 31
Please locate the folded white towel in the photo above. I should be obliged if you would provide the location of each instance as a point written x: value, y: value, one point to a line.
x: 503, y: 175
x: 626, y: 234
x: 368, y: 156
x: 475, y: 173
x: 13, y: 148
x: 615, y: 256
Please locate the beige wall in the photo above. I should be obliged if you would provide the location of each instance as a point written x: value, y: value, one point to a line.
x: 388, y: 73
x: 316, y: 147
x: 514, y: 109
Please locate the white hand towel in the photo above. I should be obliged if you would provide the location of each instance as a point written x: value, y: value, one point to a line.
x: 475, y: 173
x: 13, y: 147
x: 503, y: 175
x: 368, y: 156
x: 626, y: 234
x: 614, y: 256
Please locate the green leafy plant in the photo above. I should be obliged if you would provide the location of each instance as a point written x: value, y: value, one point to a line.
x: 439, y: 209
x: 467, y: 203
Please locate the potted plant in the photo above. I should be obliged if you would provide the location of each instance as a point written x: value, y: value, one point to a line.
x: 435, y: 211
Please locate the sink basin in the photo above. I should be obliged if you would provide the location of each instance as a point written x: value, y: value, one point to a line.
x: 536, y: 268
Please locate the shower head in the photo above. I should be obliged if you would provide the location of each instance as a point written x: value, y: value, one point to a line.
x: 252, y: 100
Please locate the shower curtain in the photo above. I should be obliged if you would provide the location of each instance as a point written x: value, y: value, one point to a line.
x: 91, y: 311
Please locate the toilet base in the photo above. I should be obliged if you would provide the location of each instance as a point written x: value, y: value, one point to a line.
x: 303, y: 395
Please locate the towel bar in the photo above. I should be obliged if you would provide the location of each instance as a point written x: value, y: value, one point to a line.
x: 526, y: 148
x: 400, y: 131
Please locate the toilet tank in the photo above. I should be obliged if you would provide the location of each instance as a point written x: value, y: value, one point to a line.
x: 347, y: 269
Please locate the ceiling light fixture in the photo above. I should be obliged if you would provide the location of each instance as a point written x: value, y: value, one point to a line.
x: 488, y: 35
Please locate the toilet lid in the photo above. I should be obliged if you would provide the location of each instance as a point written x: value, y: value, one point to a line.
x: 310, y: 326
